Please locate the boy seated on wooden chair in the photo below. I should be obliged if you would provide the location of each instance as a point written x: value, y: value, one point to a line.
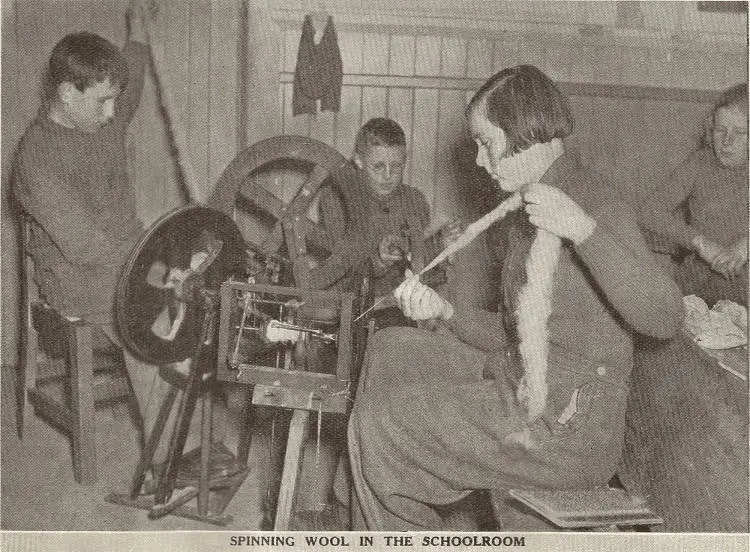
x: 70, y: 178
x: 381, y: 218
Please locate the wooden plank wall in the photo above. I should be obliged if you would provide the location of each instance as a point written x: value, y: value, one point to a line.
x: 200, y: 40
x: 638, y: 105
x: 638, y: 110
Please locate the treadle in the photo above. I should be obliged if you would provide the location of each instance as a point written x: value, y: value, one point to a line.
x: 222, y: 491
x: 585, y: 508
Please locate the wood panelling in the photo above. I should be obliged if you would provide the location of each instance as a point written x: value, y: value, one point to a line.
x: 632, y: 132
x: 198, y: 38
x: 638, y: 103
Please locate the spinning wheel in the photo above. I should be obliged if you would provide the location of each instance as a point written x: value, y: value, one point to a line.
x: 166, y: 309
x: 238, y: 190
x: 158, y: 322
x: 169, y: 306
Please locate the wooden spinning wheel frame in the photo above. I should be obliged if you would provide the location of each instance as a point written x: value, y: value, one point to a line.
x: 237, y: 190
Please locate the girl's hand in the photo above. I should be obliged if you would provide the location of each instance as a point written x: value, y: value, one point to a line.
x: 420, y: 302
x: 553, y: 210
x: 707, y: 249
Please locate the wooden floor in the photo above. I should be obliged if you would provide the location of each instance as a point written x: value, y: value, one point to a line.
x: 39, y: 494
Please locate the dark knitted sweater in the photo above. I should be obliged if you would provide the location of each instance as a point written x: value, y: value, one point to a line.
x: 75, y: 188
x: 319, y: 72
x: 716, y: 199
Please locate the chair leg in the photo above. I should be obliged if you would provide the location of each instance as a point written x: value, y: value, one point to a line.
x: 82, y: 404
x: 27, y: 373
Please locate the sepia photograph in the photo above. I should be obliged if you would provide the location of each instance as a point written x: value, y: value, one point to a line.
x: 291, y: 275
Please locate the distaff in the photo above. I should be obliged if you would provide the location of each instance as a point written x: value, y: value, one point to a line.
x: 469, y: 235
x: 194, y: 191
x: 549, y: 209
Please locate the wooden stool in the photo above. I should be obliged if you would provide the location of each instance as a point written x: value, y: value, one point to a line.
x: 64, y: 385
x: 595, y: 509
x: 61, y: 374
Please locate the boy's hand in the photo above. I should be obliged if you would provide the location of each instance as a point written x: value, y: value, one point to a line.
x: 553, y: 210
x: 419, y: 302
x: 390, y: 249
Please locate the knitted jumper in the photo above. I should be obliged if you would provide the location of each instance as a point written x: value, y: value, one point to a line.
x: 75, y: 187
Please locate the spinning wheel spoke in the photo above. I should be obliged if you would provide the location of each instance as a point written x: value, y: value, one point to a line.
x: 238, y: 187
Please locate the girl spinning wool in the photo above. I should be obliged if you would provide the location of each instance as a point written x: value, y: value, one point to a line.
x: 532, y: 396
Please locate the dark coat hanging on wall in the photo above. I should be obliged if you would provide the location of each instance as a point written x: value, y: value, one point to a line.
x: 319, y: 72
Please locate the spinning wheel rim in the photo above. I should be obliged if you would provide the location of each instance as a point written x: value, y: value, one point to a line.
x: 138, y: 303
x: 228, y: 195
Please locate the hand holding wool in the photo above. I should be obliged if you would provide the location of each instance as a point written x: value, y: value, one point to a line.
x: 707, y: 249
x: 420, y: 302
x: 553, y: 210
x: 390, y: 249
x: 731, y: 260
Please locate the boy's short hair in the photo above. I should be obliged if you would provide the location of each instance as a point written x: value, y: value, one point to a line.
x: 84, y: 59
x: 526, y: 105
x: 379, y: 131
x: 736, y: 96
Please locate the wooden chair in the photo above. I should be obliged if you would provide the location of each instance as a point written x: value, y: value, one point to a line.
x: 62, y: 375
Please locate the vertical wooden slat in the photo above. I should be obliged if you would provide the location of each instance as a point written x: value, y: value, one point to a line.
x: 198, y: 53
x: 423, y: 141
x: 375, y: 53
x: 351, y: 45
x: 401, y: 58
x: 453, y: 58
x: 373, y: 103
x: 427, y: 58
x: 560, y: 59
x: 291, y: 47
x: 447, y: 203
x: 400, y: 109
x: 102, y: 18
x: 507, y: 53
x: 322, y: 126
x: 224, y: 17
x: 534, y: 53
x: 479, y: 58
x: 300, y: 124
x: 347, y: 121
